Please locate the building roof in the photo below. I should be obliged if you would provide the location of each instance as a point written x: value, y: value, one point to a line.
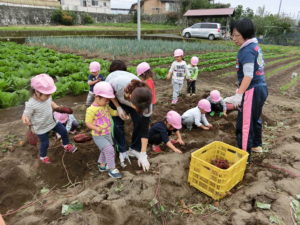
x: 210, y: 12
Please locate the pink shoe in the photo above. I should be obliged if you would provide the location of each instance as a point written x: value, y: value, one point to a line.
x: 174, y: 102
x: 156, y: 148
x: 70, y: 148
x: 45, y: 160
x: 173, y: 141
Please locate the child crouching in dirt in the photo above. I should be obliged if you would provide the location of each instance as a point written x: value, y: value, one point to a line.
x: 197, y: 116
x: 38, y: 114
x: 98, y: 119
x: 68, y: 120
x: 161, y: 131
x: 217, y: 104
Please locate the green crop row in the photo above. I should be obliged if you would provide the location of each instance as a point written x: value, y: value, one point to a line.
x: 290, y: 84
x: 284, y: 67
x: 18, y: 63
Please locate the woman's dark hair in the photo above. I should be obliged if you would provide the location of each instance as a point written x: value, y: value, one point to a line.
x: 146, y: 75
x: 117, y: 65
x: 140, y: 95
x: 245, y: 27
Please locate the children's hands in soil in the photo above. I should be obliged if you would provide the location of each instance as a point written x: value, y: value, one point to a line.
x: 204, y: 127
x: 180, y: 141
x: 177, y: 150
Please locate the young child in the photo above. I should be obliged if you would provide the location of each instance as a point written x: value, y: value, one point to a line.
x: 197, y: 116
x: 93, y: 79
x: 144, y: 72
x: 161, y: 131
x: 38, y: 114
x: 68, y: 120
x: 217, y: 103
x: 98, y: 119
x: 191, y: 80
x: 178, y: 71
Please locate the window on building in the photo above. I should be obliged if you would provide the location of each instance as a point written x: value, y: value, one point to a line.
x: 104, y: 3
x: 94, y: 3
x: 84, y: 3
x: 155, y: 10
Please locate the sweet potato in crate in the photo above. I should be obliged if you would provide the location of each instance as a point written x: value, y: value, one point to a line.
x: 211, y: 180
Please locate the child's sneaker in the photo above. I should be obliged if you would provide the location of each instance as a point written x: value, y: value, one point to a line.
x: 212, y: 113
x: 45, y: 160
x: 193, y: 94
x: 221, y: 114
x: 70, y: 148
x: 102, y: 168
x: 174, y: 102
x: 115, y: 173
x: 156, y: 148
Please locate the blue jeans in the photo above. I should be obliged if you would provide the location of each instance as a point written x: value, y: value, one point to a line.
x: 44, y: 139
x: 119, y: 131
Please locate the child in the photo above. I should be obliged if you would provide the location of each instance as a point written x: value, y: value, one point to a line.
x: 98, y: 119
x: 144, y: 72
x: 93, y: 78
x: 178, y: 71
x: 38, y: 114
x: 217, y: 103
x: 191, y: 81
x: 68, y: 120
x: 161, y: 131
x: 197, y: 116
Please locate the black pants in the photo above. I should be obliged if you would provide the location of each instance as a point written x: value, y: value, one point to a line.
x: 216, y: 107
x: 155, y: 139
x: 191, y: 86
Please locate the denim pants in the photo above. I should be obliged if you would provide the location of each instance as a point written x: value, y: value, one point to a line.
x: 44, y: 139
x: 177, y: 86
x: 119, y: 130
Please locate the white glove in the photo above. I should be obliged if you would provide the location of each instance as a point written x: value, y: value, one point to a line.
x: 124, y: 156
x: 121, y: 113
x: 143, y: 161
x: 236, y: 99
x: 133, y: 153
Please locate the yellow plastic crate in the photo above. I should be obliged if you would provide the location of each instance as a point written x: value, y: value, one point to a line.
x: 212, y: 180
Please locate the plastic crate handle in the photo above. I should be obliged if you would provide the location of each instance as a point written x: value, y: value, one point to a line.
x: 234, y: 152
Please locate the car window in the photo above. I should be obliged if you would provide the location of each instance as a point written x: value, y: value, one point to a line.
x: 197, y: 25
x: 209, y: 25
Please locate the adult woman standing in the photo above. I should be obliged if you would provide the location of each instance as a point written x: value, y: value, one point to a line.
x: 252, y: 92
x: 133, y: 97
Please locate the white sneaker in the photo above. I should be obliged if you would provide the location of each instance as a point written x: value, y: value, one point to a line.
x: 133, y: 153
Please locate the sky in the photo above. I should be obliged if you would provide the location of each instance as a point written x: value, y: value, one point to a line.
x: 289, y: 7
x: 123, y: 4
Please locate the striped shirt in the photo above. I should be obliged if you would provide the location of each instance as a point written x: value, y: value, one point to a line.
x: 40, y: 115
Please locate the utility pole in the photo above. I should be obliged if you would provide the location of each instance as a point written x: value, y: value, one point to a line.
x: 279, y: 7
x: 139, y: 20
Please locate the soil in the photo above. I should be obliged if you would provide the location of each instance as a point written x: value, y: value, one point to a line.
x: 128, y: 200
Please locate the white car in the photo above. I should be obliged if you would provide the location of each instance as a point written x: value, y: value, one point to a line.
x: 203, y: 30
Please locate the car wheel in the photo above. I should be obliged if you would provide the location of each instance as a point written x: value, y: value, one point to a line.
x: 187, y: 35
x: 211, y: 37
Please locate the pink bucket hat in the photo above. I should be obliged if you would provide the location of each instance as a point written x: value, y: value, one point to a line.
x: 215, y: 96
x: 61, y: 117
x: 94, y: 67
x: 43, y: 83
x: 142, y: 68
x: 174, y: 119
x: 204, y: 105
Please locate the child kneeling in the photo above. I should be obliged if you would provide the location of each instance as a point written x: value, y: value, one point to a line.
x: 197, y: 116
x: 161, y: 131
x: 98, y: 119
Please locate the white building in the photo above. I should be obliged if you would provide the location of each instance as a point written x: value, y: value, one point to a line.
x: 94, y: 6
